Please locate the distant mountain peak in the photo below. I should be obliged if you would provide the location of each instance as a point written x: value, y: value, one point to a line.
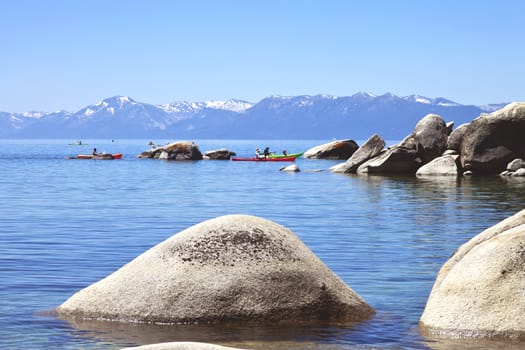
x: 186, y: 107
x: 229, y: 105
x: 363, y: 95
x: 116, y: 100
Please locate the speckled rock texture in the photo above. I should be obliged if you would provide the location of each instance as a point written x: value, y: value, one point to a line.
x: 235, y: 268
x: 479, y: 291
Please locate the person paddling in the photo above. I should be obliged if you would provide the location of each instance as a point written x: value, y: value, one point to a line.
x: 266, y: 152
x: 95, y: 153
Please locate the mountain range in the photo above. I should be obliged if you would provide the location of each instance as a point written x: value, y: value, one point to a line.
x: 276, y: 117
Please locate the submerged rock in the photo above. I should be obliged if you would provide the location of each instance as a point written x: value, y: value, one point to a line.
x: 290, y: 168
x: 479, y: 291
x: 232, y: 269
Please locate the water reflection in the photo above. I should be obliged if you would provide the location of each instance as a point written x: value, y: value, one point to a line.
x: 247, y: 336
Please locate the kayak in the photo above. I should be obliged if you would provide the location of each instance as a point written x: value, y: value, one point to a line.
x: 295, y: 155
x: 254, y: 159
x: 101, y: 156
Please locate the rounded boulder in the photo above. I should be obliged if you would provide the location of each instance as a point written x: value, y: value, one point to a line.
x: 339, y: 149
x: 231, y: 269
x: 479, y: 291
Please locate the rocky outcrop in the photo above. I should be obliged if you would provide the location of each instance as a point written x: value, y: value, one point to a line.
x: 181, y: 150
x: 232, y: 269
x: 479, y: 291
x: 444, y: 165
x: 219, y: 154
x: 341, y: 149
x: 493, y: 140
x: 181, y: 346
x: 426, y: 142
x: 371, y: 148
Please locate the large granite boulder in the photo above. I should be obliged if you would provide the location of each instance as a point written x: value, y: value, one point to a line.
x: 341, y: 149
x: 371, y: 148
x: 232, y: 269
x: 456, y: 137
x: 444, y: 165
x: 429, y: 137
x: 180, y: 150
x: 493, y: 140
x: 479, y: 291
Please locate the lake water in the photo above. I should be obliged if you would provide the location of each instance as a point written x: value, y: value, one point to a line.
x: 65, y: 224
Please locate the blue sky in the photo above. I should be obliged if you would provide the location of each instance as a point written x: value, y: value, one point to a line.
x: 67, y: 54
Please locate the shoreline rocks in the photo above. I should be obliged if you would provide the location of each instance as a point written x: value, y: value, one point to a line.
x: 483, y: 147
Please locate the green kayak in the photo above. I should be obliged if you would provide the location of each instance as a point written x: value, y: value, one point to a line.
x: 295, y: 155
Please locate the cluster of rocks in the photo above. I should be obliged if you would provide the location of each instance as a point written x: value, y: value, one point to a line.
x: 515, y: 168
x: 484, y: 146
x: 185, y: 150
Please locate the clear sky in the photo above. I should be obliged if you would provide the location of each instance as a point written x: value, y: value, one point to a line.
x: 67, y: 54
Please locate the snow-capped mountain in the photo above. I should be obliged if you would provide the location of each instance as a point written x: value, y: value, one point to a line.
x: 286, y: 117
x: 184, y: 109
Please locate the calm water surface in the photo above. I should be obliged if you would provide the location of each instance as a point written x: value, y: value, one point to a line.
x: 65, y: 224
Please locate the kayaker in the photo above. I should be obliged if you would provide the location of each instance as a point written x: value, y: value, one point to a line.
x: 95, y: 153
x: 257, y: 153
x: 284, y: 152
x: 266, y: 152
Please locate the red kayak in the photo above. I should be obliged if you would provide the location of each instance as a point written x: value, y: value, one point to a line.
x: 100, y: 156
x: 254, y: 159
